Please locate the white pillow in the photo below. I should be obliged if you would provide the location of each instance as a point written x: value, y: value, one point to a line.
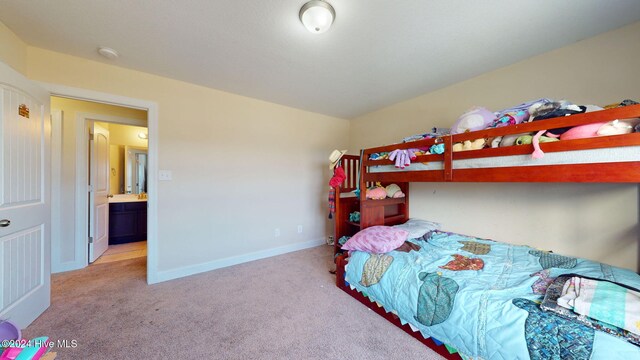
x: 417, y: 227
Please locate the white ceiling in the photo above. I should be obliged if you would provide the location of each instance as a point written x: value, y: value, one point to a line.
x: 377, y: 53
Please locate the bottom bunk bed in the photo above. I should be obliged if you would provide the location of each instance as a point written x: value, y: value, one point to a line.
x: 474, y: 298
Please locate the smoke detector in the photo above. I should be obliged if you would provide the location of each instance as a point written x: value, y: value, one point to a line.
x: 109, y: 53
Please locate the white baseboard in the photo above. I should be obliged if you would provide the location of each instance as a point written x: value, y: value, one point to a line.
x: 166, y: 275
x: 67, y: 266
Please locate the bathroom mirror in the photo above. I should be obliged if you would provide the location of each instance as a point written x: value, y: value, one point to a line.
x: 135, y: 170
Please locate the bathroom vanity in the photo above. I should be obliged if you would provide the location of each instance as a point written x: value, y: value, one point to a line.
x: 127, y: 219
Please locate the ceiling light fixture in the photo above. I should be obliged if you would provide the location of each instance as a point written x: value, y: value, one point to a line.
x: 317, y: 16
x: 109, y: 53
x: 143, y: 135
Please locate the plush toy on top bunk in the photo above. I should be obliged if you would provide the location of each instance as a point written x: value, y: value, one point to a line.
x: 565, y: 108
x: 479, y: 118
x: 379, y: 192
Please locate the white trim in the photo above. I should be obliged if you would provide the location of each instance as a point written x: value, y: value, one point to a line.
x: 95, y: 96
x: 56, y: 171
x: 66, y: 266
x: 113, y: 119
x: 82, y: 179
x: 152, y: 181
x: 234, y: 260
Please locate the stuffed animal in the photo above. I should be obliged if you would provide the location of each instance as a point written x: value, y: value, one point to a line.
x: 376, y: 193
x: 510, y: 139
x: 552, y: 110
x: 528, y: 139
x: 582, y: 131
x: 476, y: 144
x: 437, y: 149
x: 495, y: 142
x: 468, y: 145
x: 403, y: 158
x: 617, y: 127
x: 476, y: 118
x: 393, y: 191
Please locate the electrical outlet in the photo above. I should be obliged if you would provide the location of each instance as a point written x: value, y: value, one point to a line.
x: 299, y: 229
x: 164, y: 175
x: 276, y: 232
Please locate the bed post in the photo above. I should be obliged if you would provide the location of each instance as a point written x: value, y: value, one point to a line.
x: 363, y: 171
x: 370, y: 214
x: 340, y: 265
x: 404, y: 207
x: 448, y: 158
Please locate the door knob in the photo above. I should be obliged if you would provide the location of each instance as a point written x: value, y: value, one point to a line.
x: 5, y: 222
x: 110, y: 195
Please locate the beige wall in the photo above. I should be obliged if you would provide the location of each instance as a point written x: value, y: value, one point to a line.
x: 13, y: 51
x: 595, y: 221
x: 128, y: 135
x: 241, y: 167
x: 219, y: 205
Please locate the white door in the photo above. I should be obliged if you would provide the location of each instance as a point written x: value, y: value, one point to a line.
x: 98, y: 191
x: 25, y: 206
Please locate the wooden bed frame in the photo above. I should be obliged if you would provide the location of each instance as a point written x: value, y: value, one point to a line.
x: 394, y: 211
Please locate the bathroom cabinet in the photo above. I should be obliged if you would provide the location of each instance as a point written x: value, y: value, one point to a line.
x: 127, y: 222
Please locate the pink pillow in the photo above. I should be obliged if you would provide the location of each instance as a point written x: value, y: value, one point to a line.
x: 582, y: 131
x: 376, y: 240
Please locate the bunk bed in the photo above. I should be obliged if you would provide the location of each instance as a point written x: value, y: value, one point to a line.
x: 605, y: 159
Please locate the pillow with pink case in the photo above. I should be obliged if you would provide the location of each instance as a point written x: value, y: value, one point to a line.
x: 376, y: 240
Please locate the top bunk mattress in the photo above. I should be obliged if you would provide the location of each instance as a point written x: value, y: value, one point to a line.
x: 588, y: 156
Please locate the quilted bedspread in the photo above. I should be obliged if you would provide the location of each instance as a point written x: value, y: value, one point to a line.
x: 482, y: 297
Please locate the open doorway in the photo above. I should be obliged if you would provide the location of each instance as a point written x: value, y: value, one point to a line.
x: 99, y: 145
x: 120, y: 176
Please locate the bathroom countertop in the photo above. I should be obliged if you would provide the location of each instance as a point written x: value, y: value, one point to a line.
x: 120, y: 198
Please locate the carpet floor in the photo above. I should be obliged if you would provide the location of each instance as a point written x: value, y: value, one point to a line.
x: 283, y: 307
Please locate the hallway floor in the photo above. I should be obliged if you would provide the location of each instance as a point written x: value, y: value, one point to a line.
x: 123, y: 252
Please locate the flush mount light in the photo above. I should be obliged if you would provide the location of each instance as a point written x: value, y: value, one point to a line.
x: 109, y: 53
x: 143, y: 135
x: 317, y: 16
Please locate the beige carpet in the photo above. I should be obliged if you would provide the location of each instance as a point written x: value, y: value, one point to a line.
x: 284, y: 307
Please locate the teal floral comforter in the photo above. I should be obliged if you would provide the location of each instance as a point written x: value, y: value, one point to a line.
x: 482, y: 297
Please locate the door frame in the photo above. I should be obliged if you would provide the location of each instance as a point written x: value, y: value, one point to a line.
x: 152, y: 180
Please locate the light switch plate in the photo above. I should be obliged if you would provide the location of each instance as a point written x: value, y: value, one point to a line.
x: 164, y: 175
